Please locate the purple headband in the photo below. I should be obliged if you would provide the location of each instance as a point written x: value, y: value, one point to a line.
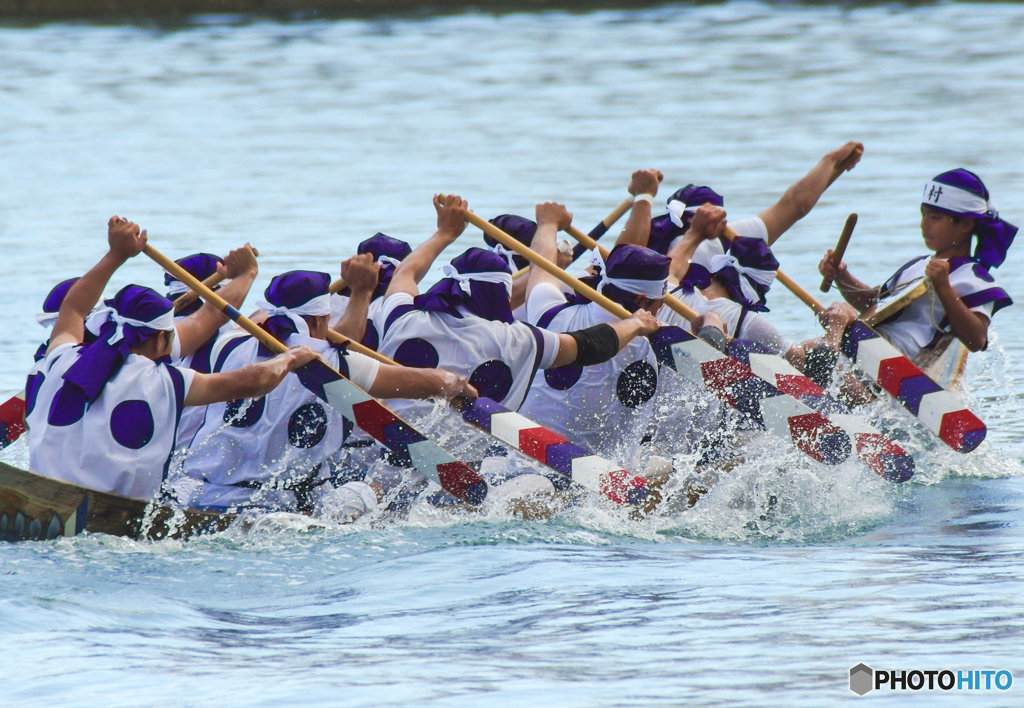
x: 201, y: 266
x: 56, y: 296
x: 518, y: 227
x: 669, y: 226
x: 387, y: 251
x: 486, y: 298
x: 148, y: 312
x: 292, y: 296
x: 747, y: 269
x: 962, y: 193
x: 632, y: 270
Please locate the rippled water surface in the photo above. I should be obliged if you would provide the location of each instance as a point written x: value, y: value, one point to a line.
x: 307, y: 137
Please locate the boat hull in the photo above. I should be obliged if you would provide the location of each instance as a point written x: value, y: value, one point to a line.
x: 33, y: 507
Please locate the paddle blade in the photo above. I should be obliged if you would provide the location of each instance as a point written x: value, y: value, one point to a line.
x: 12, y: 419
x: 407, y: 445
x: 937, y: 409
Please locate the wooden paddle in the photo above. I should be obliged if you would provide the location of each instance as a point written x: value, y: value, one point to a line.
x: 187, y: 298
x: 372, y: 416
x: 939, y: 410
x: 840, y: 250
x: 718, y: 373
x: 877, y: 451
x: 542, y: 444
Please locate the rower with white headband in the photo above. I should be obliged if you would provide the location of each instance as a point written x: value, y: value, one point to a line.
x: 956, y: 212
x: 284, y: 450
x: 367, y: 276
x: 103, y: 415
x: 603, y: 405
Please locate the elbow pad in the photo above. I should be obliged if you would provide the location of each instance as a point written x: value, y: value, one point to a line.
x: 713, y: 336
x: 595, y: 345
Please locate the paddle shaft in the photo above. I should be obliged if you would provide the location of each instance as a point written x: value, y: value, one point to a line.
x: 191, y: 296
x: 595, y: 233
x: 840, y: 250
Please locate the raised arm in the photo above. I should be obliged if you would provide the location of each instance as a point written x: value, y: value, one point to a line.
x: 801, y: 197
x: 708, y: 222
x: 451, y: 222
x: 637, y: 231
x: 361, y: 274
x: 124, y: 241
x: 195, y: 330
x: 551, y: 218
x: 249, y: 381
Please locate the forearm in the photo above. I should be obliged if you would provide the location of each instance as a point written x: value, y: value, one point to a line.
x: 681, y: 254
x: 81, y: 298
x: 861, y: 295
x: 637, y: 231
x: 968, y: 326
x: 353, y: 322
x: 414, y: 267
x: 249, y: 381
x: 407, y: 382
x: 545, y: 245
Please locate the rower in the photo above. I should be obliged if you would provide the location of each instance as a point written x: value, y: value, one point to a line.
x: 522, y: 229
x: 955, y: 209
x: 283, y: 450
x: 355, y: 306
x: 103, y: 415
x: 605, y: 406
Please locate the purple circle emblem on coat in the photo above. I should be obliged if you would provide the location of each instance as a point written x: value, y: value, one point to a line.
x: 68, y: 406
x: 307, y: 426
x: 564, y: 377
x: 636, y: 384
x: 131, y: 424
x: 417, y: 352
x: 492, y: 379
x: 240, y: 415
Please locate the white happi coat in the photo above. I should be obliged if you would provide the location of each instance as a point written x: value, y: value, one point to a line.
x: 923, y: 322
x: 287, y: 434
x: 604, y: 408
x: 120, y: 443
x: 498, y: 358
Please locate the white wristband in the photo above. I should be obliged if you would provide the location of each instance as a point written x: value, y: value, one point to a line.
x: 649, y: 198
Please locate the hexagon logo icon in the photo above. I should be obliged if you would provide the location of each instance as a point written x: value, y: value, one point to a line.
x: 861, y: 679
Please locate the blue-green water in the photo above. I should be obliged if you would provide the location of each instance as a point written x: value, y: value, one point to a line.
x: 307, y: 137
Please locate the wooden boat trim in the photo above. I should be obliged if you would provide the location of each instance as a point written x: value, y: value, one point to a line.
x: 39, y: 508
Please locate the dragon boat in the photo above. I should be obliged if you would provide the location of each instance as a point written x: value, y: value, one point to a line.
x: 33, y: 507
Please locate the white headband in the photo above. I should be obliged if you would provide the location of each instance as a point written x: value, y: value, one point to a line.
x: 955, y: 199
x: 465, y: 279
x: 164, y: 321
x: 179, y: 288
x: 388, y: 259
x: 316, y: 307
x: 651, y: 288
x: 761, y: 277
x: 47, y: 319
x: 506, y: 254
x: 678, y: 209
